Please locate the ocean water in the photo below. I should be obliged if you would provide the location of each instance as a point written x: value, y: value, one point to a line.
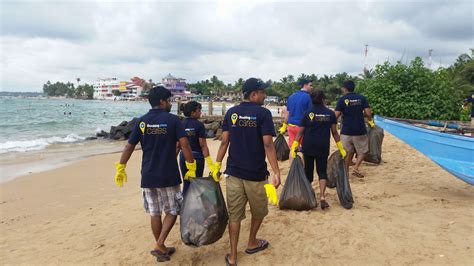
x: 37, y: 134
x: 31, y: 124
x: 35, y: 123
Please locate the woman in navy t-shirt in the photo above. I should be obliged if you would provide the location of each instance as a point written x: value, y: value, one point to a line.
x: 316, y: 126
x: 197, y: 139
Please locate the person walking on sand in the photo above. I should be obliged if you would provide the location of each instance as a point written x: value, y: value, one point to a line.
x: 353, y: 107
x: 298, y: 103
x: 316, y: 126
x: 247, y: 130
x: 158, y: 131
x: 197, y: 139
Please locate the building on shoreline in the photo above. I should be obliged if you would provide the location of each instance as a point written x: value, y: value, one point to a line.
x: 104, y: 87
x: 177, y: 86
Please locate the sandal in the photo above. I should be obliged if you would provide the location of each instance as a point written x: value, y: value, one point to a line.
x: 324, y: 204
x: 160, y: 256
x: 357, y: 174
x: 227, y: 262
x: 263, y: 244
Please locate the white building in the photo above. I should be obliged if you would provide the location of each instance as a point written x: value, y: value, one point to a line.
x: 103, y: 88
x: 131, y: 93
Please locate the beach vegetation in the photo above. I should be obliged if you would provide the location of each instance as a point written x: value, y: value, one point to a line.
x: 84, y: 91
x: 413, y: 91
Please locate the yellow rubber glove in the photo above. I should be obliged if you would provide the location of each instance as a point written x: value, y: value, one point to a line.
x: 191, y: 173
x: 120, y: 175
x: 283, y: 128
x: 271, y: 194
x: 371, y: 123
x: 208, y: 160
x: 294, y: 146
x: 341, y: 149
x: 215, y: 171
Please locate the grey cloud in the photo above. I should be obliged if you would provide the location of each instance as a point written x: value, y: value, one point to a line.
x: 52, y: 19
x: 196, y: 40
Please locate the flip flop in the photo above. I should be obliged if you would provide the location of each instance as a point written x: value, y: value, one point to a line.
x: 160, y: 256
x: 227, y: 262
x: 358, y: 174
x: 263, y: 245
x: 170, y: 251
x: 324, y: 204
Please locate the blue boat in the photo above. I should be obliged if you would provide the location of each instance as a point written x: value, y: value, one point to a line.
x: 454, y: 153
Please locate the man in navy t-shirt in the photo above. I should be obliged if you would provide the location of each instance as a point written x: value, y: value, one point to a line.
x: 158, y: 131
x: 248, y: 132
x: 353, y: 107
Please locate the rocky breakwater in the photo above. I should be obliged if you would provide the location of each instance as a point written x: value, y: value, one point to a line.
x: 212, y: 125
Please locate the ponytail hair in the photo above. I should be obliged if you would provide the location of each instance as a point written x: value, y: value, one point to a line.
x: 318, y: 97
x: 190, y: 107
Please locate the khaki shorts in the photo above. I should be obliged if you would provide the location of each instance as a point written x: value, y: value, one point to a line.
x: 239, y: 191
x: 359, y: 144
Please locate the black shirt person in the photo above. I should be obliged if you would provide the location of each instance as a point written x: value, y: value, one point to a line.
x: 248, y: 130
x: 316, y: 126
x: 353, y: 107
x: 197, y: 139
x: 158, y: 131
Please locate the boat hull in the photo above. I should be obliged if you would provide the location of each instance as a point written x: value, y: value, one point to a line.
x: 454, y: 153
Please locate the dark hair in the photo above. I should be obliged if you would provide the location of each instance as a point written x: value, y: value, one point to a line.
x: 349, y: 85
x: 158, y: 93
x: 190, y: 107
x: 318, y: 97
x: 247, y: 95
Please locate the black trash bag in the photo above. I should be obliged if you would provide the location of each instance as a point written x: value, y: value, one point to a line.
x: 204, y: 214
x: 333, y: 169
x: 375, y: 135
x: 343, y: 187
x: 297, y: 192
x: 282, y: 149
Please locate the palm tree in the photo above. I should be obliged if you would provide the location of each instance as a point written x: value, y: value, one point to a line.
x: 367, y: 74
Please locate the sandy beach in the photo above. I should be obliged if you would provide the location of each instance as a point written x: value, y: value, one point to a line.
x: 407, y: 211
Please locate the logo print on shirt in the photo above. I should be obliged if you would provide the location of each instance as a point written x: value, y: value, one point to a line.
x: 346, y: 101
x: 157, y: 129
x: 190, y: 132
x: 142, y: 127
x: 234, y: 118
x: 322, y: 118
x: 248, y: 121
x: 311, y: 116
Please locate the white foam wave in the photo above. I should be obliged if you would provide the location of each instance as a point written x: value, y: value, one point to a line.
x: 36, y: 144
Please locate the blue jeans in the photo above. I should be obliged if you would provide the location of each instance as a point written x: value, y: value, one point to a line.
x: 199, y: 169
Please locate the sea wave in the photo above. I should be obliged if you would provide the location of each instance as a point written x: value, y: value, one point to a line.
x: 37, y: 144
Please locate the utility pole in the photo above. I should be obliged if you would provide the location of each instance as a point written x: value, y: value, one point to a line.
x: 365, y: 57
x: 430, y: 59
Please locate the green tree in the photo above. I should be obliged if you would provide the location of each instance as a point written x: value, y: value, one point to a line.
x: 412, y: 91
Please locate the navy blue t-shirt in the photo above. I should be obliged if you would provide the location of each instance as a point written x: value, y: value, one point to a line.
x: 352, y: 106
x: 194, y: 130
x: 158, y: 131
x: 317, y: 123
x: 247, y: 123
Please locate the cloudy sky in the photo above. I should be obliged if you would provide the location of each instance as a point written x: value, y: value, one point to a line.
x: 64, y: 40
